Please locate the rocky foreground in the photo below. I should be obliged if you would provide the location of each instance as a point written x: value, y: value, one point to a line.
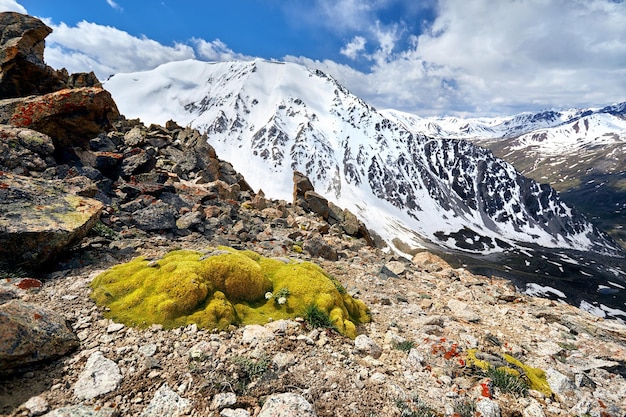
x: 426, y: 317
x: 82, y: 189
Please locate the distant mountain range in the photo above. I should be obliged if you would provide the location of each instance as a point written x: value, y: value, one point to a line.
x: 579, y: 152
x: 411, y: 180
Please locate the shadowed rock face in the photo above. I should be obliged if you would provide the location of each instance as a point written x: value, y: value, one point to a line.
x: 22, y: 68
x: 31, y: 334
x: 71, y: 109
x: 38, y: 218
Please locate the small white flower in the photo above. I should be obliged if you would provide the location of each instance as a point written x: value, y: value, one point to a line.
x: 282, y: 300
x: 268, y: 295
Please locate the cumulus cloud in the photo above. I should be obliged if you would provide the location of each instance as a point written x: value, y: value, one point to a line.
x: 546, y: 53
x: 107, y: 50
x: 483, y: 57
x: 11, y: 6
x: 216, y: 51
x: 470, y: 57
x: 354, y: 47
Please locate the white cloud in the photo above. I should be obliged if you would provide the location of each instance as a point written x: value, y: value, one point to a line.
x: 107, y: 50
x: 483, y: 57
x: 387, y: 38
x: 341, y: 15
x: 11, y: 6
x: 477, y: 57
x: 354, y: 47
x: 216, y: 51
x: 114, y: 5
x: 543, y: 53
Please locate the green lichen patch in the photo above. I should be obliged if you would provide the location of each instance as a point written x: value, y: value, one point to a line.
x: 535, y: 378
x: 221, y: 288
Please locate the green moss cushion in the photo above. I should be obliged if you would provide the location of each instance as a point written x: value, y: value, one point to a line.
x: 221, y: 288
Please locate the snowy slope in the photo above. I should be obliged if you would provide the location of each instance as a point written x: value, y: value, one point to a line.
x: 270, y: 118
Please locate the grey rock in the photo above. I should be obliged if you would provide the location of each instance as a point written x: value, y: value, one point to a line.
x: 115, y: 327
x: 23, y: 150
x: 82, y: 411
x: 36, y: 406
x: 397, y: 267
x: 533, y: 410
x: 287, y: 405
x: 223, y: 400
x: 415, y: 359
x: 282, y: 360
x: 157, y: 216
x: 31, y: 334
x: 559, y: 383
x: 255, y: 334
x: 134, y: 137
x: 386, y: 273
x: 166, y: 403
x: 239, y: 412
x: 487, y: 408
x: 366, y: 345
x: 462, y: 311
x: 148, y: 350
x: 136, y: 163
x: 316, y: 246
x: 189, y: 220
x: 100, y: 376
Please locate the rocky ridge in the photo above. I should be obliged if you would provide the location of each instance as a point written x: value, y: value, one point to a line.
x: 162, y: 188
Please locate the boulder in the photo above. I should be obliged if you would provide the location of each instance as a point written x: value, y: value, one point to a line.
x: 287, y: 404
x: 30, y: 334
x: 315, y: 203
x: 23, y: 151
x: 304, y: 196
x: 301, y: 184
x: 100, y: 376
x: 22, y: 69
x: 157, y: 216
x: 39, y: 218
x: 335, y: 214
x: 70, y: 116
x: 429, y: 262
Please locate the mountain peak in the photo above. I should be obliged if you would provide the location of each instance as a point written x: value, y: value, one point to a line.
x: 272, y: 118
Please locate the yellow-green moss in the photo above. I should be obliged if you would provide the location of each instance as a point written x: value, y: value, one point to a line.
x: 220, y: 289
x: 535, y: 377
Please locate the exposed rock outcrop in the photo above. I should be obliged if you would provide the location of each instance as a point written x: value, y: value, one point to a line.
x: 30, y: 334
x: 22, y: 68
x: 70, y: 116
x: 39, y: 218
x: 304, y: 196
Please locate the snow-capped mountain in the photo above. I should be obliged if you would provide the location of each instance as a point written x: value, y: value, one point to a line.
x: 579, y: 152
x: 567, y: 126
x: 269, y: 119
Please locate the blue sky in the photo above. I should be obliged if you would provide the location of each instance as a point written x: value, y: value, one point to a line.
x: 430, y: 57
